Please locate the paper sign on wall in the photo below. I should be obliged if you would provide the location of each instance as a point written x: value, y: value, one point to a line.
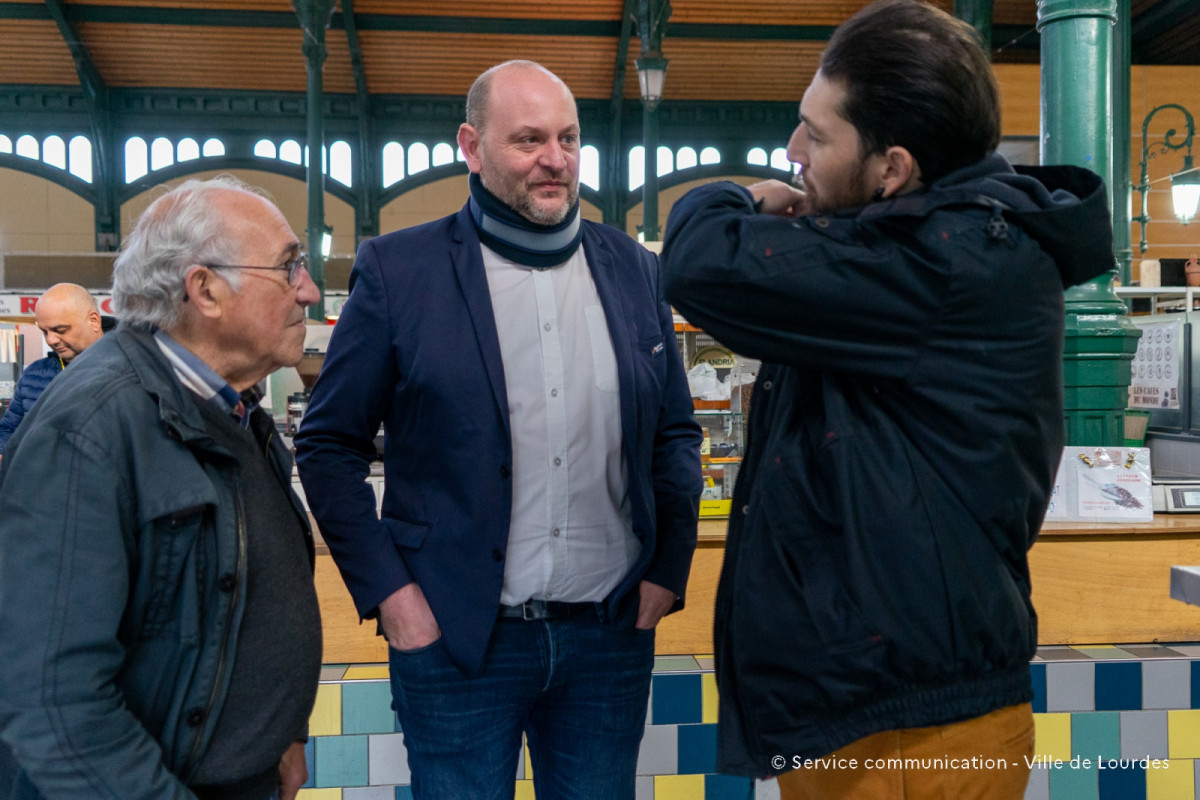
x: 1102, y: 484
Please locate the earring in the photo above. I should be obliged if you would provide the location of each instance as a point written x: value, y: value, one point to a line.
x: 878, y: 194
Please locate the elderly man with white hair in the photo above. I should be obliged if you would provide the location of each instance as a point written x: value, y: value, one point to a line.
x: 159, y: 627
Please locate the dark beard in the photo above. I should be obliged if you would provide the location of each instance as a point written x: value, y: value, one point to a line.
x: 854, y: 194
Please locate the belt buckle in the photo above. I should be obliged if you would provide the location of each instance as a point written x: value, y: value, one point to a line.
x: 533, y: 609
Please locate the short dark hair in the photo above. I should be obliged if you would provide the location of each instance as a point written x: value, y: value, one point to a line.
x: 916, y: 77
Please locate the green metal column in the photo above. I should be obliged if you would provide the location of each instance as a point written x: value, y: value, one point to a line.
x: 1122, y: 185
x: 314, y: 19
x: 1077, y: 120
x: 614, y: 158
x: 650, y: 189
x: 652, y: 20
x: 107, y: 212
x: 366, y: 176
x: 977, y: 14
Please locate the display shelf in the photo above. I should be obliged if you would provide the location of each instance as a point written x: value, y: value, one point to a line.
x: 1162, y: 298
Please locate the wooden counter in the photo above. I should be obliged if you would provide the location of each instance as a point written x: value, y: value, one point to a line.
x: 1092, y: 584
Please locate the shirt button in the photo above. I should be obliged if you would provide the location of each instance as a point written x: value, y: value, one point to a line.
x: 558, y: 462
x: 554, y: 532
x: 546, y: 326
x: 766, y: 386
x: 554, y: 392
x: 745, y: 509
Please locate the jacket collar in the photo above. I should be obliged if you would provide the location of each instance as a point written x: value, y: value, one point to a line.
x: 176, y: 408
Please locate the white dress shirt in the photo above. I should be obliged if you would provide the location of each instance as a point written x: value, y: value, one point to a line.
x: 570, y: 536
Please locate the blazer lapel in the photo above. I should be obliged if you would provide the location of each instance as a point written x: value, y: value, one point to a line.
x: 472, y: 281
x: 608, y: 286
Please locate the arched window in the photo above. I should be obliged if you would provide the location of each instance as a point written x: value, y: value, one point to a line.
x: 685, y: 158
x: 757, y: 156
x: 265, y: 148
x: 5, y: 144
x: 162, y: 153
x: 637, y: 166
x: 187, y: 150
x: 779, y: 159
x: 290, y: 152
x: 589, y: 166
x: 54, y: 152
x: 27, y: 147
x: 710, y: 155
x: 393, y: 163
x: 418, y: 158
x: 666, y: 161
x: 135, y: 159
x: 458, y: 154
x: 79, y: 158
x: 442, y: 154
x: 341, y: 166
x: 213, y: 148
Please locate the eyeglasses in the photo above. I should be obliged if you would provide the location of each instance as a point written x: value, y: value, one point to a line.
x: 292, y: 267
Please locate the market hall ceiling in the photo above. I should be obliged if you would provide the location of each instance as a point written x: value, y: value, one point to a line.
x: 719, y: 50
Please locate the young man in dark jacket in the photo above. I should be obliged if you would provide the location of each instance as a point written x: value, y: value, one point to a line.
x: 906, y: 424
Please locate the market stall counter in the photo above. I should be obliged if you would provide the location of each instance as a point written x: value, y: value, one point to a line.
x: 1093, y: 583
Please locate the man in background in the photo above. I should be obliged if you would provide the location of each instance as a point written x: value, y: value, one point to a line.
x: 906, y: 426
x: 542, y: 464
x: 69, y: 319
x: 159, y: 627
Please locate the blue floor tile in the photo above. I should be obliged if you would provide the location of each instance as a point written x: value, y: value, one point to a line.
x: 697, y: 749
x: 676, y: 699
x: 728, y: 787
x: 1038, y: 673
x: 1123, y: 784
x: 1119, y: 686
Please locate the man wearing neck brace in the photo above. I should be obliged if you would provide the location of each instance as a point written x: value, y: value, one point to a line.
x: 541, y: 461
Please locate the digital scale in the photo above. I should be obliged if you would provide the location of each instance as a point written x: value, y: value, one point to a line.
x: 1176, y: 495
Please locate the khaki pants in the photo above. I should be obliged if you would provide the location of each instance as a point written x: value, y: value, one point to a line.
x: 985, y: 758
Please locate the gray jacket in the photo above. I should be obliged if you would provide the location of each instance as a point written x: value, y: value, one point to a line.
x: 122, y: 580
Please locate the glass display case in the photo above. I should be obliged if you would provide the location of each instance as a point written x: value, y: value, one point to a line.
x: 721, y: 413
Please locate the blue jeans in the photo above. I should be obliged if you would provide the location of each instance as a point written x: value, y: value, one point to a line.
x: 577, y: 688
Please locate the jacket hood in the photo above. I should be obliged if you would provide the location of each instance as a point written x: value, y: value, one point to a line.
x: 1064, y: 208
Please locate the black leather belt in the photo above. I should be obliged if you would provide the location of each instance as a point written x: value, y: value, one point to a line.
x: 549, y: 609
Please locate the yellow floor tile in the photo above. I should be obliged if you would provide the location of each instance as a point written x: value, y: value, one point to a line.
x: 678, y: 787
x: 524, y: 791
x: 708, y: 697
x: 365, y: 673
x: 1175, y: 781
x: 319, y: 794
x: 1052, y: 736
x: 1183, y: 733
x: 326, y: 717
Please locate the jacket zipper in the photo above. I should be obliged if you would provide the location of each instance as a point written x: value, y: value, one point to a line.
x: 233, y: 604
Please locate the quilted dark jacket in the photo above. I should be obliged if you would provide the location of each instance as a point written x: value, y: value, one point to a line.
x: 33, y: 382
x: 904, y: 433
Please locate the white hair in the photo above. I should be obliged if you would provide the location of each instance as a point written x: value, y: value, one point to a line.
x: 182, y: 228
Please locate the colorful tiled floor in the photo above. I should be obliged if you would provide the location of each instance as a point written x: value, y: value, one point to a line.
x: 1113, y: 723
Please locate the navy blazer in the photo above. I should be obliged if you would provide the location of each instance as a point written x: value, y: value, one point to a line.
x: 416, y: 348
